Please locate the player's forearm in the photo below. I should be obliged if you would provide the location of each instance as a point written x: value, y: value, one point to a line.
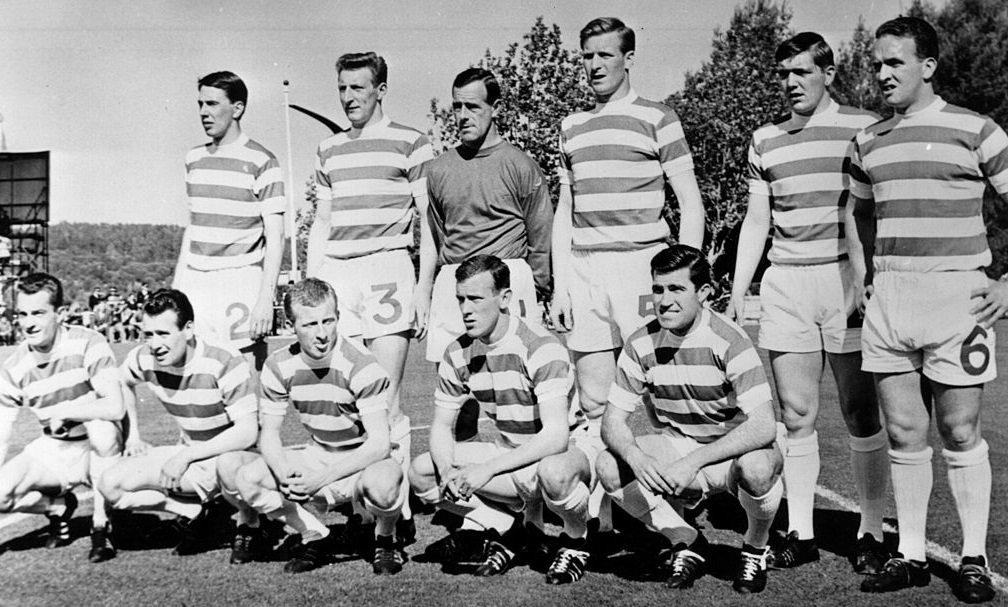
x: 373, y: 450
x: 561, y: 240
x: 863, y: 212
x: 616, y: 434
x: 238, y: 437
x: 428, y: 258
x: 755, y: 433
x: 752, y: 240
x: 270, y: 446
x: 691, y: 209
x: 547, y: 442
x: 539, y: 227
x: 318, y: 234
x: 442, y: 447
x: 132, y: 419
x: 107, y: 408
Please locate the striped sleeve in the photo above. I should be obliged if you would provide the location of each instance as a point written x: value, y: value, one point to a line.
x: 416, y: 161
x: 370, y: 384
x: 673, y: 150
x: 451, y: 390
x: 860, y: 184
x: 237, y: 391
x: 130, y: 371
x: 10, y: 395
x: 993, y: 156
x: 564, y: 171
x: 98, y: 357
x: 744, y: 371
x: 269, y: 188
x: 276, y: 395
x: 549, y: 368
x: 627, y: 391
x: 758, y: 184
x: 323, y: 187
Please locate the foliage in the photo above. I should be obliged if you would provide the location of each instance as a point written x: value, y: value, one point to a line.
x: 855, y: 82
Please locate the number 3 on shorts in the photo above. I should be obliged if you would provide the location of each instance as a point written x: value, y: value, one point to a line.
x: 387, y: 298
x: 969, y: 349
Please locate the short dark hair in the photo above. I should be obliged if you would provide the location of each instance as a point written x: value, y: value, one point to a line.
x: 370, y: 60
x: 924, y: 36
x: 605, y: 25
x: 478, y: 74
x: 680, y: 256
x: 309, y: 292
x: 229, y: 82
x: 822, y: 54
x: 40, y: 281
x: 479, y: 264
x: 164, y: 300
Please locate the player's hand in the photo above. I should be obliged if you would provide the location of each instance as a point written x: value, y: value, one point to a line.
x: 560, y: 312
x: 648, y: 471
x: 310, y: 192
x: 448, y: 483
x: 421, y: 305
x: 172, y: 471
x: 736, y: 307
x: 472, y: 478
x: 680, y: 476
x: 261, y: 318
x: 990, y: 303
x: 135, y: 446
x: 57, y: 427
x: 302, y: 486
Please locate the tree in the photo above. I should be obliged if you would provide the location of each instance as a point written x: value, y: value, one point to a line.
x: 718, y: 121
x: 855, y: 82
x: 541, y: 83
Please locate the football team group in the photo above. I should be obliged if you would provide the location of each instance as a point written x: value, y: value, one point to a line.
x: 876, y: 268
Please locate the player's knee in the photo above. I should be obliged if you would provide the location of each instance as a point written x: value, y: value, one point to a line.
x: 907, y: 432
x: 248, y: 481
x: 109, y: 484
x: 607, y: 469
x: 758, y: 470
x: 959, y: 435
x: 7, y: 497
x: 104, y: 438
x: 383, y: 489
x: 557, y: 476
x: 421, y: 473
x: 228, y: 465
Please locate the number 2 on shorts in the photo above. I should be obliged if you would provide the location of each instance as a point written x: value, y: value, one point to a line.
x: 969, y: 348
x: 243, y: 315
x: 389, y: 289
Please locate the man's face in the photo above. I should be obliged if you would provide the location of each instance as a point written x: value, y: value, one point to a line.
x: 217, y: 112
x: 315, y: 328
x: 605, y: 64
x: 676, y: 301
x: 473, y: 115
x: 900, y: 73
x: 359, y: 95
x: 804, y: 82
x: 39, y: 320
x: 480, y: 305
x: 167, y: 342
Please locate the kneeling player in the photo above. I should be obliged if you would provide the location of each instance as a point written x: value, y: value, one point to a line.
x: 208, y: 389
x: 707, y: 391
x: 341, y: 393
x: 521, y: 376
x: 67, y: 377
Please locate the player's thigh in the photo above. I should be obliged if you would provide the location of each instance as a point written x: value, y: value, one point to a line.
x: 523, y: 292
x: 139, y: 472
x: 340, y: 275
x: 957, y: 350
x: 595, y: 373
x: 594, y: 329
x: 229, y: 464
x: 559, y: 473
x: 518, y: 483
x: 626, y: 279
x: 391, y: 351
x: 23, y: 473
x: 797, y: 376
x: 105, y: 437
x: 445, y: 321
x: 222, y: 302
x: 253, y: 475
x: 907, y: 419
x: 855, y: 393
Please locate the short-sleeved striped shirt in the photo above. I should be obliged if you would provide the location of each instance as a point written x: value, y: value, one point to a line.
x: 799, y: 164
x: 38, y: 380
x: 925, y: 172
x: 329, y: 395
x: 509, y: 378
x: 616, y: 159
x: 231, y: 189
x: 701, y: 385
x: 211, y: 389
x: 372, y: 180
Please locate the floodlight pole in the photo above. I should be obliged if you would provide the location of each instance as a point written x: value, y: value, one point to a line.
x: 291, y: 224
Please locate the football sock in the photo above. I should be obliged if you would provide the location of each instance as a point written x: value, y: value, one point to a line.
x: 405, y: 442
x: 801, y: 471
x: 533, y: 513
x: 655, y: 512
x: 37, y: 503
x: 572, y: 510
x: 97, y: 465
x: 969, y: 475
x: 760, y: 512
x: 600, y: 506
x: 299, y: 519
x: 476, y: 514
x: 152, y: 499
x: 912, y: 478
x: 870, y: 465
x: 385, y: 518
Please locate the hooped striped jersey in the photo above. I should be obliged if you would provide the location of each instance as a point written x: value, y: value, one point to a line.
x: 800, y: 165
x: 701, y: 385
x: 38, y: 380
x: 231, y: 188
x: 371, y: 181
x: 616, y: 159
x: 206, y: 394
x: 925, y: 174
x: 329, y: 395
x: 510, y: 378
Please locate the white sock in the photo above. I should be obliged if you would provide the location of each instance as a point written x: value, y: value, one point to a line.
x: 801, y: 471
x: 152, y: 499
x: 870, y: 465
x: 912, y: 479
x: 299, y: 519
x: 385, y: 518
x: 969, y: 475
x: 405, y: 442
x: 600, y: 507
x: 244, y: 514
x: 96, y: 466
x: 655, y: 512
x: 572, y: 510
x: 533, y: 514
x: 760, y: 512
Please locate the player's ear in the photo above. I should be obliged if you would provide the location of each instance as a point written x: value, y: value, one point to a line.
x: 829, y: 72
x: 704, y: 293
x: 382, y: 89
x: 504, y: 298
x: 238, y: 110
x: 928, y: 67
x: 628, y: 59
x: 188, y: 330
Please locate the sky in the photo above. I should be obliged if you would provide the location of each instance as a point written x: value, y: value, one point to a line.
x: 109, y: 86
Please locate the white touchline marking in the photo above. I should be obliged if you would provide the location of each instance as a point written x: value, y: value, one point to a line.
x: 484, y: 420
x: 937, y: 551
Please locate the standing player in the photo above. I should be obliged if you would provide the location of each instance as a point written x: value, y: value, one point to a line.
x: 341, y: 393
x: 702, y: 382
x: 231, y: 249
x: 811, y: 293
x: 209, y: 391
x: 520, y: 374
x: 370, y: 182
x: 67, y: 377
x: 615, y: 161
x: 918, y: 181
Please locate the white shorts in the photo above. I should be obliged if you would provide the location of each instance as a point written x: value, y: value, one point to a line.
x: 222, y: 302
x: 587, y: 438
x: 202, y: 474
x: 810, y: 309
x: 445, y: 322
x: 610, y: 294
x: 922, y: 320
x: 525, y: 479
x: 67, y: 460
x: 314, y: 456
x: 374, y: 293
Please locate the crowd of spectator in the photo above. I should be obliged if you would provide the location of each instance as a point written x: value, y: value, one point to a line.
x: 111, y: 313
